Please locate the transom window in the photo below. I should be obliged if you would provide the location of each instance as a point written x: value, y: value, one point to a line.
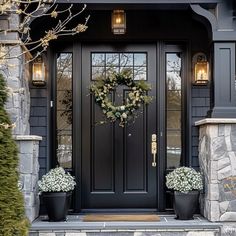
x: 104, y: 64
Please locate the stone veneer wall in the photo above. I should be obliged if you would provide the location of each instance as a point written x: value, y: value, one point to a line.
x: 17, y: 76
x: 217, y: 158
x: 29, y: 168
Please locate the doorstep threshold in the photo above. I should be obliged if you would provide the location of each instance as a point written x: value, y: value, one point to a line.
x: 75, y: 222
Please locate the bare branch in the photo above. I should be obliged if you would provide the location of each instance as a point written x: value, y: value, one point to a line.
x: 28, y: 11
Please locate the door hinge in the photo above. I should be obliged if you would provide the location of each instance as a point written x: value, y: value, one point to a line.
x: 51, y: 103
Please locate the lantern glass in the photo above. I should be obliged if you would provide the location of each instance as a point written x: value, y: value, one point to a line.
x: 201, y: 69
x: 38, y: 77
x: 118, y: 22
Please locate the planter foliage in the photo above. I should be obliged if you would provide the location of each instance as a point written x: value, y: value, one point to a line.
x: 186, y: 183
x: 184, y: 179
x: 56, y: 187
x: 12, y: 213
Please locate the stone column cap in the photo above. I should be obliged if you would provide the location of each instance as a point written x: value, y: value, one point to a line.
x: 215, y: 121
x: 27, y: 137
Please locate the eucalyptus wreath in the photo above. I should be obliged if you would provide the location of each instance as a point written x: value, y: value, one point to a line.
x: 135, y: 98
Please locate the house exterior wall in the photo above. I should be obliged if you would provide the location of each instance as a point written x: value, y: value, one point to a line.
x: 20, y: 110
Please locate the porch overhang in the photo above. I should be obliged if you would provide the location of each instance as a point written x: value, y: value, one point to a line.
x: 166, y: 2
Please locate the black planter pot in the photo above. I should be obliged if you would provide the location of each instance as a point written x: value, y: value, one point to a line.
x: 185, y: 204
x: 57, y: 205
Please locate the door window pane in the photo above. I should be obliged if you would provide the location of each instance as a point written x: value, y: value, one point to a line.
x: 140, y: 73
x: 98, y: 72
x: 140, y: 59
x: 103, y: 64
x: 64, y: 110
x: 112, y: 59
x: 173, y: 110
x: 98, y: 59
x: 126, y: 59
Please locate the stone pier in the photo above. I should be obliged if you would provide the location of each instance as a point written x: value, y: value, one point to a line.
x: 28, y: 146
x: 217, y: 158
x: 18, y: 76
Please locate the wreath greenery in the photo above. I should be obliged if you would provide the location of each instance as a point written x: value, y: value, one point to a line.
x: 136, y: 97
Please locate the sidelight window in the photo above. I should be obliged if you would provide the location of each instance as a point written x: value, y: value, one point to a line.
x: 173, y: 110
x: 64, y: 110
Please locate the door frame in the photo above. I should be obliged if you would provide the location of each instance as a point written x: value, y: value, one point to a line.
x: 182, y: 47
x: 162, y: 47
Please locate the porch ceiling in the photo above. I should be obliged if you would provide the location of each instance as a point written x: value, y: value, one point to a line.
x: 168, y: 2
x: 145, y: 4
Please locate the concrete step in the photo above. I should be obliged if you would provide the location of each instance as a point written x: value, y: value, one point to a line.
x: 167, y: 226
x: 128, y: 233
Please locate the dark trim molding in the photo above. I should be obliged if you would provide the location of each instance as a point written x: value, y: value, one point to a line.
x: 224, y: 81
x: 145, y: 1
x: 206, y: 14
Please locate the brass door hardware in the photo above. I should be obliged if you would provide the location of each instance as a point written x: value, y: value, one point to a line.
x: 154, y: 149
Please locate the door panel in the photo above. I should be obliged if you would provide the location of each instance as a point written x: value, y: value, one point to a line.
x: 117, y: 167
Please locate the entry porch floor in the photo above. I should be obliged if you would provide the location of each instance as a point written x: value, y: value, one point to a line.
x: 167, y: 226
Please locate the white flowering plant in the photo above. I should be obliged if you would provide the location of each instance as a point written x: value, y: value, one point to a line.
x: 57, y: 180
x: 184, y: 179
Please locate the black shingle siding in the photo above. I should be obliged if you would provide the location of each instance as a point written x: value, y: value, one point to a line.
x: 38, y: 123
x: 200, y: 107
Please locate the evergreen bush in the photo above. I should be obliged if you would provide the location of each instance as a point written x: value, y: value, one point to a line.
x: 12, y: 215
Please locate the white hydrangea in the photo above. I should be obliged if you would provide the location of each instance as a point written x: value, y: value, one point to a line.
x: 184, y: 179
x: 57, y: 180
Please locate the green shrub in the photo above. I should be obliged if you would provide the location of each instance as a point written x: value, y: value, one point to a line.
x: 12, y: 215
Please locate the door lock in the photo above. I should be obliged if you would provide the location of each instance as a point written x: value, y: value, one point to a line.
x: 154, y: 149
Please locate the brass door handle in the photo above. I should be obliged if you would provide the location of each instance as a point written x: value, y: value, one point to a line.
x: 154, y: 149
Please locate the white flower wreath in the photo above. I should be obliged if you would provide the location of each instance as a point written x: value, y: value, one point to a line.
x: 136, y: 97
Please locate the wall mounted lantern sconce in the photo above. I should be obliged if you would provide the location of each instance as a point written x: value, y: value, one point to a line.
x: 200, y: 69
x: 38, y: 72
x: 118, y: 22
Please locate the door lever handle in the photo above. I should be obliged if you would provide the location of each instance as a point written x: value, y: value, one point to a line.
x: 154, y: 149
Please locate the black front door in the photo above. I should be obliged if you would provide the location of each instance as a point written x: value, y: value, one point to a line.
x: 117, y: 169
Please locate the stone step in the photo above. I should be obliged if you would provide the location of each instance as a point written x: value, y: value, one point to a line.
x: 166, y: 232
x: 167, y: 226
